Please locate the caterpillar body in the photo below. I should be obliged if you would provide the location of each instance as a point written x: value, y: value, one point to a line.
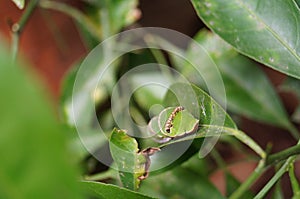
x: 169, y: 123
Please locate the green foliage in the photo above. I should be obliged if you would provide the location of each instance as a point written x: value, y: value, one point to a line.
x: 131, y: 163
x: 266, y: 31
x: 103, y: 191
x: 180, y: 183
x: 35, y: 161
x: 232, y: 184
x: 208, y: 110
x: 244, y: 95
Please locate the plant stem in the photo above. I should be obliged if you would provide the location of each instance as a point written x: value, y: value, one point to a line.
x: 263, y: 164
x: 209, y: 131
x: 282, y: 155
x: 18, y: 27
x: 250, y: 180
x: 276, y: 177
x: 285, y: 167
x: 293, y: 180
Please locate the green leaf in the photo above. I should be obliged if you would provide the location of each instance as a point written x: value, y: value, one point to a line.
x: 210, y: 126
x: 89, y: 137
x: 248, y: 95
x: 199, y: 104
x: 132, y: 163
x: 180, y: 183
x: 266, y: 31
x: 122, y: 13
x: 19, y: 3
x: 101, y: 190
x: 201, y: 166
x: 232, y: 184
x: 296, y: 115
x: 34, y: 159
x: 278, y: 194
x: 291, y: 85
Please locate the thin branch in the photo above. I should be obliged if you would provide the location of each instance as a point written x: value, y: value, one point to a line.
x: 282, y: 155
x: 250, y: 180
x: 276, y: 177
x: 18, y: 27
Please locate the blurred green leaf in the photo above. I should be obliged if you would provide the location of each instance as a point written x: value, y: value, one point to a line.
x: 33, y: 151
x: 232, y: 184
x: 122, y: 13
x: 201, y: 166
x: 104, y: 191
x: 266, y: 31
x: 89, y: 137
x: 110, y: 17
x: 179, y: 183
x: 291, y: 85
x: 148, y: 95
x: 66, y: 99
x: 296, y: 115
x: 248, y: 90
x: 131, y: 163
x: 19, y: 3
x: 278, y: 194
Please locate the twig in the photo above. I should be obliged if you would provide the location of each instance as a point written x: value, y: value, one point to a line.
x: 250, y: 180
x: 18, y: 27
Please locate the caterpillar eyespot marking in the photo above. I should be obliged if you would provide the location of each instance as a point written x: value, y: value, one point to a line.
x: 169, y: 123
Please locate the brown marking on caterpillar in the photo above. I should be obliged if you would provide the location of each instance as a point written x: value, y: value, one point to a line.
x: 169, y: 122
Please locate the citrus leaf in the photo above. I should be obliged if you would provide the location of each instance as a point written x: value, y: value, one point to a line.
x: 248, y: 95
x: 132, y: 163
x: 210, y: 126
x: 180, y: 183
x: 102, y: 190
x: 267, y: 31
x: 209, y: 111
